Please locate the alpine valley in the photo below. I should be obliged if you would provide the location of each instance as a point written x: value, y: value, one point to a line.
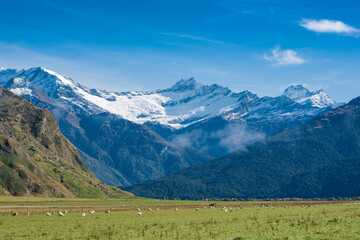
x: 319, y: 158
x: 129, y: 137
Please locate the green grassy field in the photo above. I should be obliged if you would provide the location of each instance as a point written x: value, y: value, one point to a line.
x: 298, y: 221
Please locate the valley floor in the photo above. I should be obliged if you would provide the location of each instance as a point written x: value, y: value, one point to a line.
x: 299, y: 220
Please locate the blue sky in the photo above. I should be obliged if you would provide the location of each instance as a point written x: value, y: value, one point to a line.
x: 261, y: 46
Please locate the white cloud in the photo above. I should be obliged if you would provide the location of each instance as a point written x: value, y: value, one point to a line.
x: 328, y: 26
x: 283, y: 57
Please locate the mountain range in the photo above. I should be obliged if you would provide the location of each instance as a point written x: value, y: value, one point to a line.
x: 129, y: 137
x: 317, y: 158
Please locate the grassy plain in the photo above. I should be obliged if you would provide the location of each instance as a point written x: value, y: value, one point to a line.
x: 301, y: 220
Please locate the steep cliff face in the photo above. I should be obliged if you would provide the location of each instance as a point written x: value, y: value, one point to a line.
x: 36, y: 159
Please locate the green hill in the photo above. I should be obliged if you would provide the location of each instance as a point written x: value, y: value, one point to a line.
x: 318, y: 158
x: 37, y: 160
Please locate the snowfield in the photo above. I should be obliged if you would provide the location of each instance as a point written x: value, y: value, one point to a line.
x: 185, y: 103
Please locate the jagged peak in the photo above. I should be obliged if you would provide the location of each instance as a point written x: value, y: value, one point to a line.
x: 187, y: 84
x: 59, y: 78
x: 192, y: 84
x: 5, y: 69
x: 302, y: 95
x: 297, y: 92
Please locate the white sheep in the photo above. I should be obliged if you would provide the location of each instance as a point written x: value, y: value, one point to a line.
x: 48, y: 214
x: 138, y: 209
x: 197, y: 209
x: 92, y: 212
x: 83, y: 215
x: 139, y: 213
x: 149, y: 209
x: 107, y: 211
x: 28, y: 213
x: 65, y: 211
x: 176, y: 209
x: 61, y: 214
x: 157, y: 209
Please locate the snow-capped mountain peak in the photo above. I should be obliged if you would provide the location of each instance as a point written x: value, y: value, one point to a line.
x: 302, y: 95
x: 45, y: 75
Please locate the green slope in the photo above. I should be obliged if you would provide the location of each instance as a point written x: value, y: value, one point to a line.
x: 37, y: 160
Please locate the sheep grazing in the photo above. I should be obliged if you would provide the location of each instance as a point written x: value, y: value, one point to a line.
x: 92, y: 212
x: 176, y: 209
x: 138, y: 209
x: 139, y: 213
x: 61, y: 214
x: 285, y: 206
x: 14, y: 213
x: 48, y: 214
x: 28, y: 213
x: 83, y: 215
x: 53, y: 213
x: 157, y: 209
x: 225, y: 210
x: 65, y: 211
x: 149, y: 209
x: 197, y: 209
x: 107, y: 211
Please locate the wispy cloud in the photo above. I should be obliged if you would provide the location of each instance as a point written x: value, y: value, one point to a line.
x: 63, y: 9
x: 283, y: 57
x: 192, y: 37
x: 328, y: 26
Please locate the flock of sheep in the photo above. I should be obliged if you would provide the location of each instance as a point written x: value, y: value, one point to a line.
x: 61, y: 214
x: 223, y: 208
